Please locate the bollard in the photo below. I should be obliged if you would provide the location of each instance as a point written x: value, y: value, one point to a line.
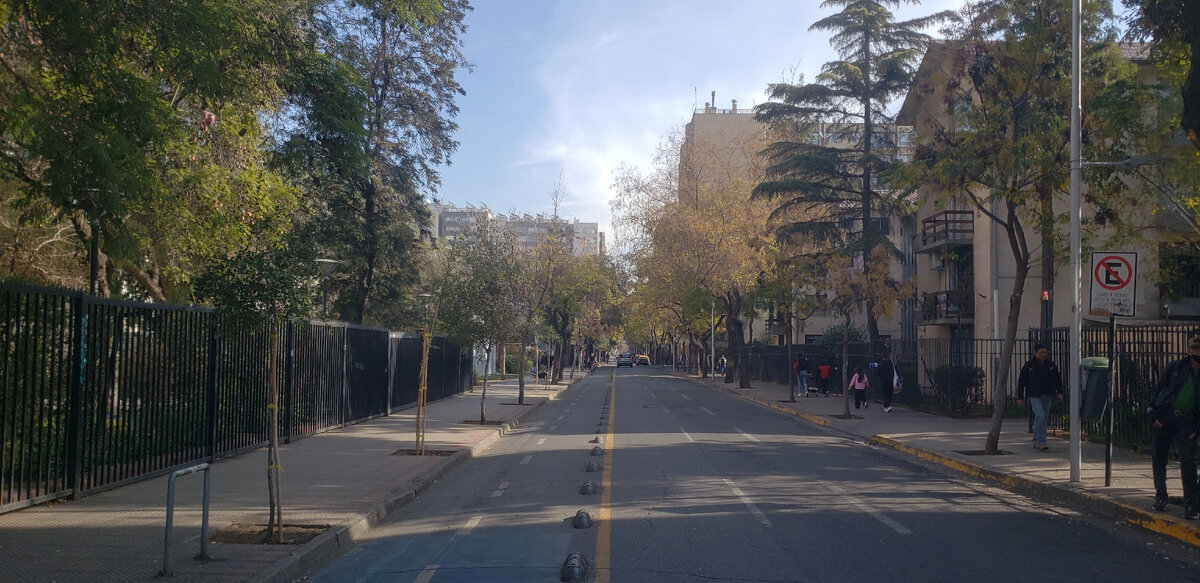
x: 166, y: 569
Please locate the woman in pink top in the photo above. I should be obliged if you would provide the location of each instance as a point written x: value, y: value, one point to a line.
x: 858, y: 384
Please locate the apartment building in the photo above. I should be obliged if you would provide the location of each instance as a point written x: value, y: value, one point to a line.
x: 966, y: 272
x: 719, y: 142
x: 582, y: 238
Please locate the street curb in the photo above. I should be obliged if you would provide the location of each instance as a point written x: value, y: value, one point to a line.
x: 1185, y: 532
x: 341, y: 539
x: 780, y: 408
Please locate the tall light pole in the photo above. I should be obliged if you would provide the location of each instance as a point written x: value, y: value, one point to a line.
x: 1076, y: 449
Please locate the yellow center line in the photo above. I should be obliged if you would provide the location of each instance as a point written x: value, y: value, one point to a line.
x: 604, y: 530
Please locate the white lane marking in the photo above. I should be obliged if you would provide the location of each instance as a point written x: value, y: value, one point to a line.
x: 746, y: 435
x: 560, y: 417
x: 705, y: 409
x: 653, y: 395
x: 685, y: 397
x: 500, y: 490
x: 427, y: 574
x: 525, y: 460
x: 541, y: 441
x: 746, y: 500
x: 553, y: 427
x: 469, y: 526
x: 687, y: 435
x: 881, y: 517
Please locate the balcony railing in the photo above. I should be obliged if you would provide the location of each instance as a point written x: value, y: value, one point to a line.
x: 949, y: 226
x: 947, y: 307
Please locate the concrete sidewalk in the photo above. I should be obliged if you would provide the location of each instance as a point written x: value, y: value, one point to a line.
x: 349, y: 479
x: 957, y: 443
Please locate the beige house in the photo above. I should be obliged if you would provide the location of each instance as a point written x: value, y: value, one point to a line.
x: 965, y: 270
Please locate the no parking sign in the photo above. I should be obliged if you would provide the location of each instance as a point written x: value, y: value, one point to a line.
x: 1114, y: 283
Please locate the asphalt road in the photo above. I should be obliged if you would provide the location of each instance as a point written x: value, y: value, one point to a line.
x: 697, y: 485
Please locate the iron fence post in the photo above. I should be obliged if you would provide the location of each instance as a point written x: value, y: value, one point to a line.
x: 289, y: 391
x: 213, y: 370
x: 75, y: 395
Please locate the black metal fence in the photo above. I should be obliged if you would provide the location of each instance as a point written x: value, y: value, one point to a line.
x: 98, y: 393
x: 957, y: 376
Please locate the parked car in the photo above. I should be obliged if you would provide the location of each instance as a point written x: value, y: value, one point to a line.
x: 624, y: 360
x: 643, y: 360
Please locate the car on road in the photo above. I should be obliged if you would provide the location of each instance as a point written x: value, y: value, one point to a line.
x: 624, y: 360
x: 643, y: 360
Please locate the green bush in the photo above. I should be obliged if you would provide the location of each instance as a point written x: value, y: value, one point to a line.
x: 510, y: 364
x: 959, y: 388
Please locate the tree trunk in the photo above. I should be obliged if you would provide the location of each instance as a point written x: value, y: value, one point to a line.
x: 999, y: 389
x: 501, y: 360
x: 787, y: 326
x: 737, y: 343
x: 487, y: 364
x: 521, y: 375
x: 275, y: 521
x: 845, y: 367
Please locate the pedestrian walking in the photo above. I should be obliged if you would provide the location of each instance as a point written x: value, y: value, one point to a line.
x: 1175, y: 420
x: 885, y: 375
x: 800, y: 370
x: 1039, y: 382
x: 859, y: 384
x: 823, y: 373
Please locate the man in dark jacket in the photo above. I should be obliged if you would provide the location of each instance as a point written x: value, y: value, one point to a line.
x: 1039, y: 382
x: 1175, y: 420
x: 885, y: 373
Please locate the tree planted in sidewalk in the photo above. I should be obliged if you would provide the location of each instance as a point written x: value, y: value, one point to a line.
x: 266, y: 285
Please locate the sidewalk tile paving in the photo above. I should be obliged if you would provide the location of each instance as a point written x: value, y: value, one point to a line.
x: 351, y: 479
x: 346, y: 478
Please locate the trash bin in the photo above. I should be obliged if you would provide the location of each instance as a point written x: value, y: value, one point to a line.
x: 1095, y: 387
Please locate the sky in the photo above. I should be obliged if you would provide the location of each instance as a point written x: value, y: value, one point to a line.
x: 576, y: 88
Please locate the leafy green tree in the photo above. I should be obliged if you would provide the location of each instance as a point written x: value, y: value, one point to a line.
x: 1001, y: 140
x: 137, y: 126
x: 480, y: 273
x: 389, y: 128
x: 1171, y: 24
x: 823, y: 189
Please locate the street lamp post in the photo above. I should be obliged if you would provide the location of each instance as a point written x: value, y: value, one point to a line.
x: 712, y: 340
x: 327, y: 267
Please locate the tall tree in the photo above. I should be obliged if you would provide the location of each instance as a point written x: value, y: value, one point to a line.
x: 1001, y: 137
x: 396, y: 125
x: 137, y: 125
x: 823, y: 189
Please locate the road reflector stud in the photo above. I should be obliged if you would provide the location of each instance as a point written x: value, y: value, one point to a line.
x: 593, y: 466
x: 597, y: 451
x: 582, y: 519
x: 575, y: 568
x: 588, y: 487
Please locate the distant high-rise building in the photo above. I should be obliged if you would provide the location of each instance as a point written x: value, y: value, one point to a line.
x: 529, y: 231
